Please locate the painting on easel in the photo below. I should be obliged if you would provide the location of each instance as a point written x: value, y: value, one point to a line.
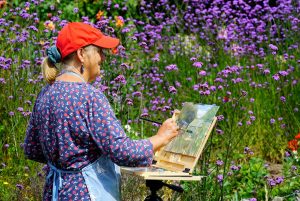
x: 193, y: 120
x: 178, y: 159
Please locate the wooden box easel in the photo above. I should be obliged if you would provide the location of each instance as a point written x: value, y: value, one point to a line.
x: 172, y: 166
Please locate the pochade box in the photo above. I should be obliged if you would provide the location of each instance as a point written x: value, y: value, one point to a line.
x: 177, y: 160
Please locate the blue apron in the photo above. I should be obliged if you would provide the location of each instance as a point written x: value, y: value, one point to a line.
x: 102, y: 179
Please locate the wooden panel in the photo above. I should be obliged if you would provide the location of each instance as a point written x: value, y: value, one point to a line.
x: 178, y: 162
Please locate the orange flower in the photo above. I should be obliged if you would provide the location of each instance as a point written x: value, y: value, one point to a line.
x: 114, y: 51
x: 2, y: 3
x: 99, y: 15
x: 293, y: 145
x: 297, y: 136
x: 119, y: 21
x: 49, y: 25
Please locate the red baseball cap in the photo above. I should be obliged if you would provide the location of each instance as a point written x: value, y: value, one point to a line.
x: 76, y: 35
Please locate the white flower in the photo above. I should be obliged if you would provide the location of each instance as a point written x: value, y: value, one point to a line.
x: 127, y: 128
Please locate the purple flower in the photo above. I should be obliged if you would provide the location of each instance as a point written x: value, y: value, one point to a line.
x: 120, y: 79
x: 136, y: 94
x: 267, y: 71
x: 20, y: 186
x: 273, y: 47
x: 287, y: 154
x: 177, y: 84
x: 20, y: 109
x: 75, y: 10
x: 202, y: 73
x: 271, y: 182
x: 2, y: 81
x: 252, y: 199
x: 171, y: 67
x: 282, y: 126
x: 219, y: 131
x: 172, y: 90
x: 293, y: 168
x: 282, y: 98
x: 145, y: 113
x: 246, y: 150
x: 283, y: 73
x: 5, y: 147
x: 129, y: 101
x: 279, y: 180
x: 276, y: 77
x: 198, y: 64
x: 220, y: 178
x: 156, y: 58
x: 220, y: 118
x: 219, y: 162
x: 235, y: 168
x: 11, y: 113
x: 244, y: 93
x: 272, y: 121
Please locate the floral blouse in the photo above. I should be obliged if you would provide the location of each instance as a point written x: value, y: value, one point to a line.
x: 72, y: 125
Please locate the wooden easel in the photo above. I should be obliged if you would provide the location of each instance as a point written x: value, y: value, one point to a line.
x: 170, y: 166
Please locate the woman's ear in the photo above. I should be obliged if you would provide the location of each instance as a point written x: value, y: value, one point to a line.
x: 80, y: 54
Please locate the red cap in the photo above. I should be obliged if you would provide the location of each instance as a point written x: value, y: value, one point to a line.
x: 76, y: 35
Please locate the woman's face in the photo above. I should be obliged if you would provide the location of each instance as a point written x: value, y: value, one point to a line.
x: 94, y: 56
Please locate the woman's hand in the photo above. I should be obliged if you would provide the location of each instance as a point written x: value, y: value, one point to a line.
x: 167, y: 131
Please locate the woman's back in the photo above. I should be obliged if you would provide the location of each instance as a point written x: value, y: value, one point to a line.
x: 62, y: 111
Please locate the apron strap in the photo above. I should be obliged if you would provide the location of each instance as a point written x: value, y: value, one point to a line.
x: 57, y: 179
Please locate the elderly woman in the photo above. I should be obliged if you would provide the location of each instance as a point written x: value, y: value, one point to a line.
x: 73, y: 128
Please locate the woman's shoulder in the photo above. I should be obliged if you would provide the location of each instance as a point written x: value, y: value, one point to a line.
x: 96, y: 93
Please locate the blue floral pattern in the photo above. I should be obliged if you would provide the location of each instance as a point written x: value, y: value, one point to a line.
x: 72, y: 124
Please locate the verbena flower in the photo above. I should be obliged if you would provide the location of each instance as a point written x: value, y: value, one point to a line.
x: 20, y: 186
x: 279, y: 180
x: 273, y: 47
x: 272, y: 121
x: 220, y: 178
x: 171, y: 67
x: 198, y: 64
x: 172, y: 90
x: 271, y: 182
x: 202, y: 73
x: 219, y: 162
